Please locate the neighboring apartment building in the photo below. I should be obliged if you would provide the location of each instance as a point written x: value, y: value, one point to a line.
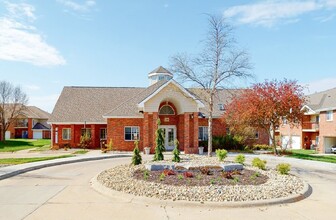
x: 318, y: 129
x: 31, y: 123
x: 126, y: 114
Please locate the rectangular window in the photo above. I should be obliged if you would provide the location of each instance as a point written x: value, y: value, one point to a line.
x: 329, y: 115
x: 66, y: 133
x: 284, y: 121
x: 221, y: 107
x: 86, y: 131
x: 256, y: 135
x: 103, y: 134
x: 203, y: 133
x: 132, y: 133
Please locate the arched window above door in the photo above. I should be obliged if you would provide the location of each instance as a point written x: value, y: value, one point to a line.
x: 166, y: 110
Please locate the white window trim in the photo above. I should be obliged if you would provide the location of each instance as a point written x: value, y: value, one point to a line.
x: 204, y: 127
x: 64, y: 139
x: 167, y: 114
x: 100, y: 134
x: 131, y: 133
x: 332, y: 115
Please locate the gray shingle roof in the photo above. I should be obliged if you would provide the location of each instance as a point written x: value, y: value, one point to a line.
x: 223, y: 96
x: 325, y: 100
x: 160, y: 69
x: 79, y: 104
x: 35, y: 112
x: 90, y: 104
x: 129, y: 107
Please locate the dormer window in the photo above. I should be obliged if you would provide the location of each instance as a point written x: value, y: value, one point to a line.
x: 166, y: 110
x: 221, y: 107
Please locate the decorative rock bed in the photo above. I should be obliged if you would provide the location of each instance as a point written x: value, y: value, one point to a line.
x: 266, y: 185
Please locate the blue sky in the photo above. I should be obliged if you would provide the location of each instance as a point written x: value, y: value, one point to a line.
x: 45, y: 45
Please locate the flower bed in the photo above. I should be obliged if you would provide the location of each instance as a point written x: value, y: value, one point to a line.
x: 251, y: 184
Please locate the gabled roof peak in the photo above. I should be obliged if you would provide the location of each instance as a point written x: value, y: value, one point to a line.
x: 160, y: 69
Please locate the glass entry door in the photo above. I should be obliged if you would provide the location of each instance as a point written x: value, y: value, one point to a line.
x: 169, y: 132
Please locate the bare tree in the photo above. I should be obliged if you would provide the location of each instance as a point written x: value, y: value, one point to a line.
x: 12, y: 102
x: 215, y: 67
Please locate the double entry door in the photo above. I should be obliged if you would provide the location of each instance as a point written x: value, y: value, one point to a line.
x: 169, y: 132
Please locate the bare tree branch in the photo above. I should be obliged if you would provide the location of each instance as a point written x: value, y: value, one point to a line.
x: 12, y: 103
x: 215, y: 67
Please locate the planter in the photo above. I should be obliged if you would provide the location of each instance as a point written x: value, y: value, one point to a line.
x: 200, y: 150
x: 147, y: 150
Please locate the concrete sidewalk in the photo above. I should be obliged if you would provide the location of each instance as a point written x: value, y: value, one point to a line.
x: 9, y: 171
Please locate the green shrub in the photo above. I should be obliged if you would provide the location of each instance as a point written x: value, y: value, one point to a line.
x: 176, y: 152
x: 257, y: 162
x: 159, y: 140
x: 283, y: 168
x: 162, y: 177
x: 146, y: 174
x: 221, y: 154
x: 85, y: 141
x: 261, y: 147
x: 136, y: 159
x: 240, y: 158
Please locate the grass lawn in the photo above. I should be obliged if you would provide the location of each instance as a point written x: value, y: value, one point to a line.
x: 311, y: 155
x: 80, y: 152
x: 22, y: 144
x: 14, y: 161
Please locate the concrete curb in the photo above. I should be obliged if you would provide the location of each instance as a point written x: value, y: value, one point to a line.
x: 120, y: 196
x: 11, y: 171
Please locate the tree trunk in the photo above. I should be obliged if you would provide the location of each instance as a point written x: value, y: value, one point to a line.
x: 273, y: 139
x: 210, y: 126
x: 3, y: 135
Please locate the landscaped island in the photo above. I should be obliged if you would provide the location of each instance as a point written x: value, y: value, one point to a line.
x: 205, y: 180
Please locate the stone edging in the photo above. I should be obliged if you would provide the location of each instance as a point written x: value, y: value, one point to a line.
x: 99, y: 187
x: 56, y: 162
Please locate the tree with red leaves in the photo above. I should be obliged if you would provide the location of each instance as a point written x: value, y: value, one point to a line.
x: 265, y: 105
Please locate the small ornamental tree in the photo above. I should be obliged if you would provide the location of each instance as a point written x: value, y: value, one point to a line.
x: 85, y: 140
x: 265, y: 105
x: 176, y: 152
x: 136, y: 159
x: 160, y: 148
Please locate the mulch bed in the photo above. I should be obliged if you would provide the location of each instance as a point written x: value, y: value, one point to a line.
x: 211, y: 176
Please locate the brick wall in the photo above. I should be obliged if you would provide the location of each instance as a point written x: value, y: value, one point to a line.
x: 76, y: 132
x: 116, y: 131
x: 327, y: 129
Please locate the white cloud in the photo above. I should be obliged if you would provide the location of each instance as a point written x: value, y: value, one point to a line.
x: 86, y: 6
x: 46, y: 103
x: 320, y: 85
x: 269, y: 13
x: 20, y: 41
x: 20, y: 10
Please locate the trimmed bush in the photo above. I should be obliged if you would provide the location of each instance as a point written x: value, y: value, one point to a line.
x: 136, y: 159
x: 261, y: 147
x: 159, y: 140
x: 221, y: 154
x: 176, y: 152
x: 283, y: 168
x: 257, y: 162
x: 240, y: 158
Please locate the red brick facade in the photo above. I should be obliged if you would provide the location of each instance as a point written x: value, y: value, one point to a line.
x: 25, y: 131
x: 312, y: 133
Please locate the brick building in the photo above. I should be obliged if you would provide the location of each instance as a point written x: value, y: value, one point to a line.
x: 126, y: 114
x: 318, y: 128
x: 31, y: 123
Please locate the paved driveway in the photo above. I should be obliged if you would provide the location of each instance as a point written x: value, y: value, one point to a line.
x: 64, y: 192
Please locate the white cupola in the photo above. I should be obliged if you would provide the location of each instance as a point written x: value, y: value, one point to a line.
x: 158, y: 74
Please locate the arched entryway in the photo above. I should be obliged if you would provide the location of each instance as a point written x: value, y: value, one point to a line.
x: 169, y: 121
